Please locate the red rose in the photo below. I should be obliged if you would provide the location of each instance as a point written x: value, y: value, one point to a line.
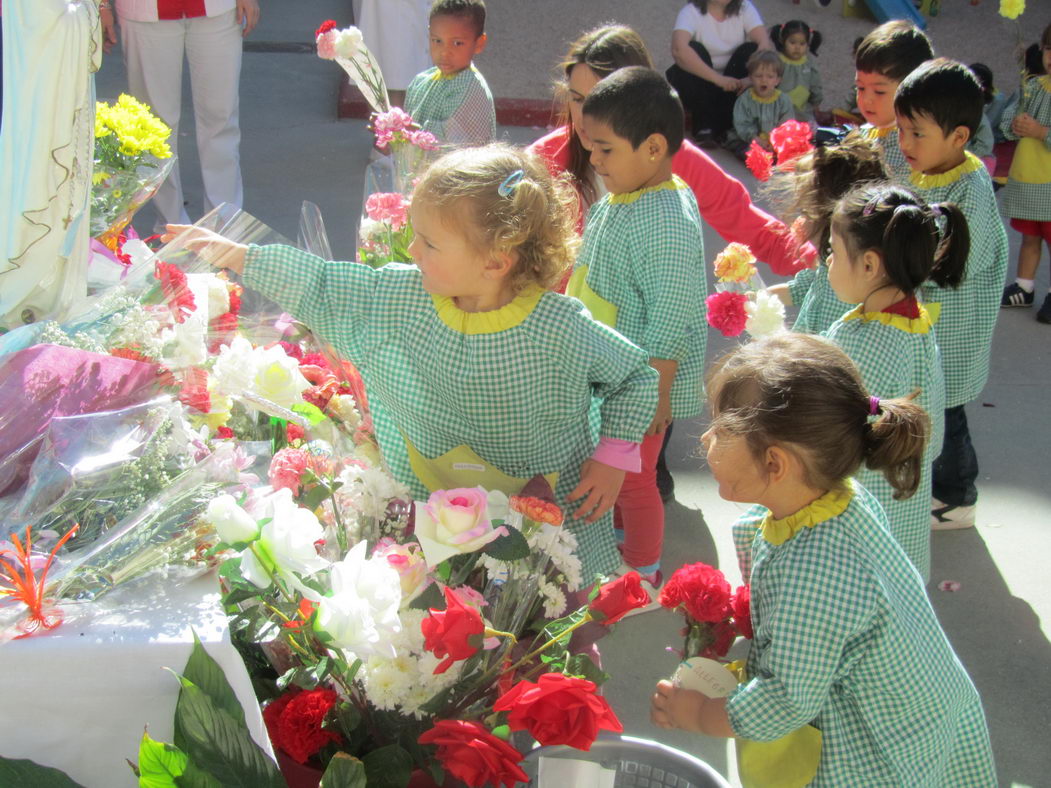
x: 700, y: 590
x: 759, y: 160
x: 558, y: 709
x: 742, y: 608
x: 299, y: 724
x: 293, y: 432
x: 617, y: 598
x: 726, y: 312
x: 470, y: 753
x: 328, y: 24
x: 454, y: 633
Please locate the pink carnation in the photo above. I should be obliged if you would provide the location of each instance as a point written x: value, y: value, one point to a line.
x: 393, y: 120
x: 423, y: 140
x: 726, y: 312
x: 286, y: 469
x: 326, y: 45
x: 389, y: 207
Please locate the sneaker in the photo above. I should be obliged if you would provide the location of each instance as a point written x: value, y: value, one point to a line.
x: 651, y: 584
x: 1014, y: 295
x: 945, y: 517
x: 1043, y: 314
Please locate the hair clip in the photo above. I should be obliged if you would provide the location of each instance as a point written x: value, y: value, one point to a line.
x: 873, y: 406
x: 510, y: 183
x: 870, y: 206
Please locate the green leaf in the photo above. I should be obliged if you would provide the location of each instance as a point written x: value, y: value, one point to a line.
x: 209, y: 678
x: 317, y: 495
x: 27, y: 774
x: 313, y: 413
x: 512, y: 546
x: 388, y: 767
x: 344, y: 772
x: 221, y: 745
x: 159, y: 763
x: 431, y: 597
x: 193, y: 777
x: 348, y: 716
x: 445, y: 571
x: 580, y: 665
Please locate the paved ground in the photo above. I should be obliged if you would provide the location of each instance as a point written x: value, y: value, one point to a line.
x: 294, y: 150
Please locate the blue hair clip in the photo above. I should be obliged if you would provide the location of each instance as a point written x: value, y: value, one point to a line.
x: 510, y: 183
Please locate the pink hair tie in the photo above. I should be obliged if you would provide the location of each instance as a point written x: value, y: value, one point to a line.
x: 873, y: 406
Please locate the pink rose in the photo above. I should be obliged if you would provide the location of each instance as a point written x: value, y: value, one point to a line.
x: 389, y: 207
x: 408, y: 561
x: 458, y: 518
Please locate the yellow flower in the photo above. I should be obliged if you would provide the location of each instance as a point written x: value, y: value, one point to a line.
x: 735, y: 263
x: 98, y: 177
x: 1012, y: 9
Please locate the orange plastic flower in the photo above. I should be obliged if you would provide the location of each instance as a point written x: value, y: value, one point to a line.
x: 536, y: 509
x: 26, y: 587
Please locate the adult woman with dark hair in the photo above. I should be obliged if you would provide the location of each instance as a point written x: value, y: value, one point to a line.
x: 711, y: 43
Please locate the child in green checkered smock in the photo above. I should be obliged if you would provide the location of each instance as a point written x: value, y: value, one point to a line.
x: 796, y: 41
x: 761, y: 108
x: 850, y: 680
x: 476, y: 374
x: 452, y: 100
x: 893, y: 159
x: 886, y: 244
x: 809, y: 192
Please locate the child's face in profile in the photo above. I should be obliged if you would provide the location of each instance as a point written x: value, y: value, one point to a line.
x: 764, y: 81
x: 875, y: 97
x: 731, y: 462
x: 927, y: 148
x: 796, y: 46
x: 450, y: 264
x: 622, y: 168
x: 454, y: 44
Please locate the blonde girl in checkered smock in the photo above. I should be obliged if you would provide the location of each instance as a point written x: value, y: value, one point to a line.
x: 810, y: 192
x: 848, y: 666
x: 886, y: 243
x: 476, y: 373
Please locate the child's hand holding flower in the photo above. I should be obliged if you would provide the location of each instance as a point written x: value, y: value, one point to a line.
x: 689, y: 710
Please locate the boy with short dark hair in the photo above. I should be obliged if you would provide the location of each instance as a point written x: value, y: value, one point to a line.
x: 641, y: 271
x: 882, y: 60
x: 452, y: 99
x: 939, y: 108
x: 761, y: 108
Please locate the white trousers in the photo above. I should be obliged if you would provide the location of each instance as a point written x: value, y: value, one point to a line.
x: 153, y: 56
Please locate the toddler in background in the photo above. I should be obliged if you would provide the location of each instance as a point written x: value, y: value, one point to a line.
x: 939, y: 107
x: 641, y: 271
x: 801, y: 80
x: 810, y: 191
x: 478, y: 374
x: 1027, y: 196
x: 761, y: 108
x: 452, y: 99
x: 882, y: 60
x: 845, y: 639
x: 886, y: 243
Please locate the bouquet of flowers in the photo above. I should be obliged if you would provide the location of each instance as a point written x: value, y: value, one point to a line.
x: 132, y: 159
x: 347, y: 48
x: 788, y: 141
x: 410, y: 150
x: 741, y: 302
x: 385, y: 232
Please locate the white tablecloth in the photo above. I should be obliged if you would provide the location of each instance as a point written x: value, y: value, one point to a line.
x: 77, y: 698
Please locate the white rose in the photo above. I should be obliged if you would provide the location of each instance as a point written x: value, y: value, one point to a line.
x: 285, y: 544
x: 278, y: 378
x: 231, y: 522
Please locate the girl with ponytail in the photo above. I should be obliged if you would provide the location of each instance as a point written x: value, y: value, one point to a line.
x: 846, y: 653
x: 886, y: 242
x: 797, y: 43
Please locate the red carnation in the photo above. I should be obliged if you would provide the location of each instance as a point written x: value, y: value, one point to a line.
x: 618, y: 598
x: 454, y: 633
x: 194, y: 391
x: 470, y: 753
x: 223, y: 328
x: 235, y: 292
x: 224, y: 432
x: 272, y: 714
x: 299, y: 725
x: 173, y: 285
x: 291, y: 349
x: 722, y: 635
x: 558, y: 709
x: 293, y: 433
x: 760, y: 161
x: 791, y: 140
x: 726, y: 312
x: 742, y: 609
x: 319, y: 396
x: 328, y: 24
x: 700, y: 590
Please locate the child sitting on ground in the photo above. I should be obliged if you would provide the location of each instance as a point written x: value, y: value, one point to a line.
x: 883, y: 59
x: 939, y: 107
x: 641, y: 271
x: 801, y: 81
x: 844, y: 638
x: 477, y: 374
x: 452, y: 99
x: 761, y: 108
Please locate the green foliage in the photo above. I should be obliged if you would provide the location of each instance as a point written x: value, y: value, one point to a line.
x: 27, y: 774
x: 159, y: 763
x: 344, y: 772
x: 510, y: 547
x: 388, y: 767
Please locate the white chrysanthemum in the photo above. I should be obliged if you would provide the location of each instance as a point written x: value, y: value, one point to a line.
x: 554, y: 599
x: 766, y: 314
x: 345, y: 408
x: 234, y: 369
x: 370, y: 490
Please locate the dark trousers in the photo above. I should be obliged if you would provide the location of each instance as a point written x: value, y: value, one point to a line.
x: 956, y: 469
x: 709, y: 105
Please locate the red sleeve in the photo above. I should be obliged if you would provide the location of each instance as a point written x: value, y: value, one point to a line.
x: 724, y: 203
x: 553, y: 149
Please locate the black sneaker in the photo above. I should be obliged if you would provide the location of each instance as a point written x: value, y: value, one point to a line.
x: 1014, y: 295
x: 1043, y: 314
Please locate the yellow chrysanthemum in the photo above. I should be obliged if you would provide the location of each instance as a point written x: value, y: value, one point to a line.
x: 136, y: 128
x: 1012, y: 9
x: 735, y: 263
x: 98, y: 177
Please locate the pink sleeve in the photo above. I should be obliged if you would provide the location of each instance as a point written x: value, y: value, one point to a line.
x: 617, y: 453
x: 724, y: 203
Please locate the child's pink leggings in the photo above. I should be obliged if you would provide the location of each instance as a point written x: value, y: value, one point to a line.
x: 640, y: 511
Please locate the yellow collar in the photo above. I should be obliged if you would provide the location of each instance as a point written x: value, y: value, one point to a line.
x: 970, y: 164
x: 878, y: 132
x: 673, y: 183
x: 787, y: 60
x: 773, y: 96
x: 493, y: 321
x: 440, y: 77
x: 910, y: 325
x: 831, y: 504
x: 1045, y: 82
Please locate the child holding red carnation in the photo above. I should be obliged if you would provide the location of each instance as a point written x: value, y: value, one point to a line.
x: 848, y: 663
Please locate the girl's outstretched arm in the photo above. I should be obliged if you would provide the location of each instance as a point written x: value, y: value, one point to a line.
x: 218, y: 251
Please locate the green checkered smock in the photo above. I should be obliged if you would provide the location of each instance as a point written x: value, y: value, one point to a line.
x: 894, y: 161
x: 846, y: 640
x: 818, y: 306
x: 641, y: 271
x: 529, y: 387
x: 897, y: 355
x: 458, y: 110
x: 1028, y: 191
x: 966, y: 317
x: 801, y: 82
x: 756, y: 117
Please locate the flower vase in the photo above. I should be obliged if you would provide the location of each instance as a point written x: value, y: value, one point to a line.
x: 118, y: 196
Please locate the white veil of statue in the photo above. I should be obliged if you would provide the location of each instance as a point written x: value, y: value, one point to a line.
x: 51, y: 50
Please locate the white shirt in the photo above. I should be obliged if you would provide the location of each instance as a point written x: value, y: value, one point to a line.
x: 147, y: 10
x: 719, y: 38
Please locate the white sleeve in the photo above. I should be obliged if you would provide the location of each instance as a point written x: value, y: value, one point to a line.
x: 688, y: 19
x: 750, y: 17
